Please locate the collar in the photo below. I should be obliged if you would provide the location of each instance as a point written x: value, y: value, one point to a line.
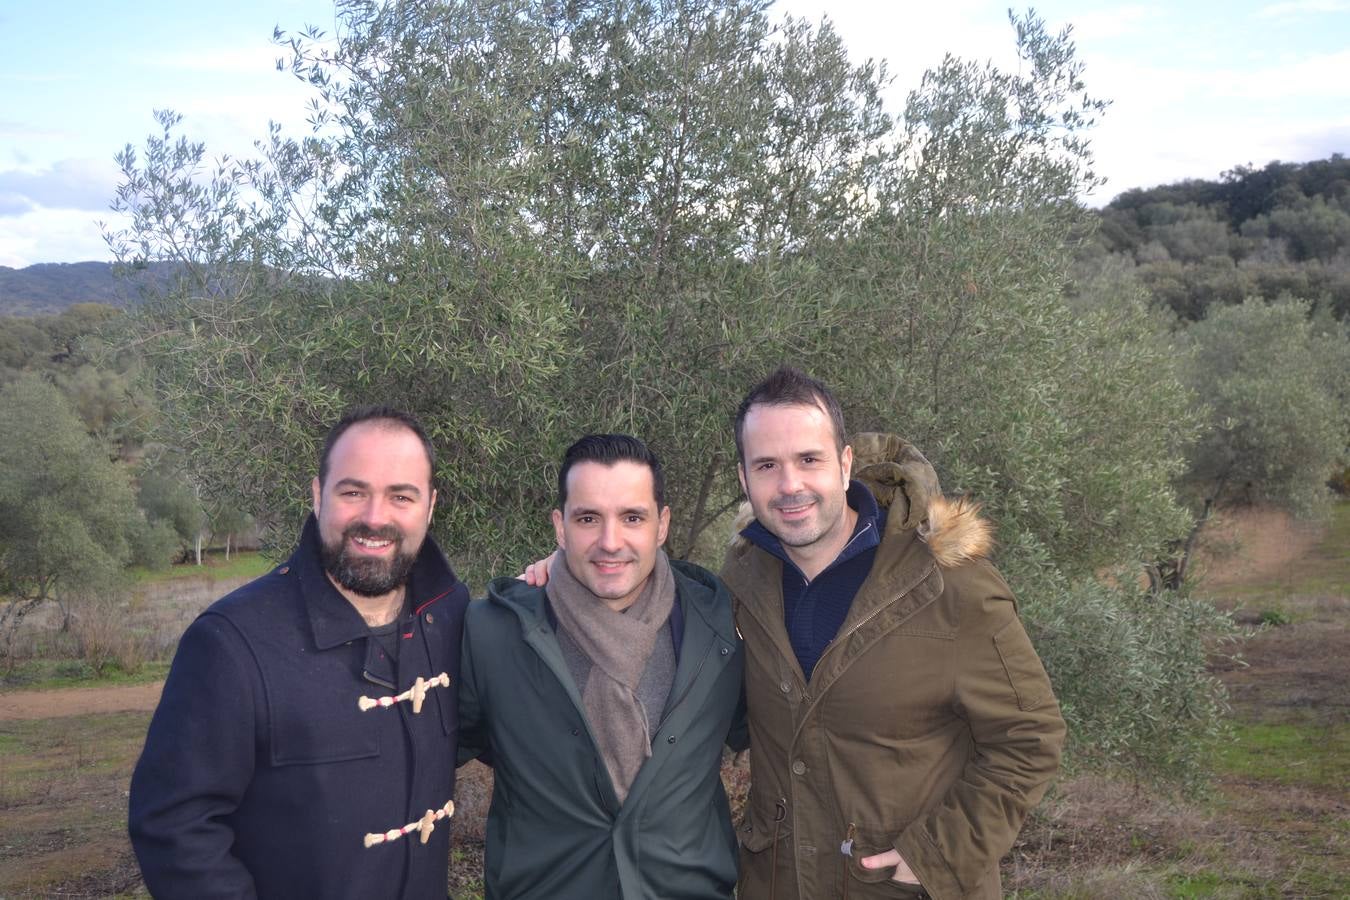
x: 866, y: 531
x: 333, y: 619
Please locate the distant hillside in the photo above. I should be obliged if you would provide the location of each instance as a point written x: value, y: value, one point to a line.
x: 51, y: 287
x: 48, y: 288
x: 1281, y: 230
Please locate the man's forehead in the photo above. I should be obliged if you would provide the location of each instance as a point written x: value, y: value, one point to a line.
x: 380, y: 441
x: 763, y: 416
x: 624, y: 483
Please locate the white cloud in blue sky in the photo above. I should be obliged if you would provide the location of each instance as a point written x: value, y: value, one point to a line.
x: 1196, y: 88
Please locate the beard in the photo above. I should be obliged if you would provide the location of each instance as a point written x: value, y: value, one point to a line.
x: 362, y: 575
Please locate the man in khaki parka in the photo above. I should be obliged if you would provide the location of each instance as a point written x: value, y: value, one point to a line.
x: 901, y: 724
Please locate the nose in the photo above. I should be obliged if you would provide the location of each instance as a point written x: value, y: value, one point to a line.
x: 789, y: 480
x: 377, y: 511
x: 610, y: 540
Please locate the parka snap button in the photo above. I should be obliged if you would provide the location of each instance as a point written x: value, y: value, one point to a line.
x: 799, y: 768
x: 725, y: 651
x: 430, y: 619
x: 671, y: 739
x: 785, y: 687
x: 576, y: 731
x: 283, y: 570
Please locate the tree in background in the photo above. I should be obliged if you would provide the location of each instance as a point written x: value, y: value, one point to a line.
x: 1274, y: 381
x: 68, y: 515
x: 528, y: 221
x: 167, y: 496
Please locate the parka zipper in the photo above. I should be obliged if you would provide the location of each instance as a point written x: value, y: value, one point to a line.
x: 847, y: 848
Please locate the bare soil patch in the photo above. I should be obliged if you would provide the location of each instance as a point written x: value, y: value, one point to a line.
x: 1277, y: 822
x: 1242, y: 546
x: 18, y: 705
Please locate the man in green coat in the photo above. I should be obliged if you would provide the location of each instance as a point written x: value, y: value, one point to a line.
x: 901, y: 723
x: 603, y: 701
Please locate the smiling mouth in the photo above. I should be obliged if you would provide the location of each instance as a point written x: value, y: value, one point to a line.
x: 373, y: 544
x: 609, y: 566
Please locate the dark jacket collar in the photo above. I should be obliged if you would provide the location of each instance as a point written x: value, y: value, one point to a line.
x: 867, y: 530
x: 334, y: 620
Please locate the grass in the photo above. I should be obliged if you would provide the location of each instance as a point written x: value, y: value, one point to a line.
x: 243, y: 564
x: 63, y: 804
x: 1274, y: 823
x: 53, y: 674
x: 1307, y: 754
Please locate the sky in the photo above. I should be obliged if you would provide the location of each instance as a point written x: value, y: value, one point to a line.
x: 1196, y: 87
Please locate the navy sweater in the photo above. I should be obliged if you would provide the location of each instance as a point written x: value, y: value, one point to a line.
x: 813, y: 611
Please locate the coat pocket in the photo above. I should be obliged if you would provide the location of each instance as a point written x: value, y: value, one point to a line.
x: 877, y: 882
x: 761, y: 828
x: 1023, y: 667
x: 322, y: 731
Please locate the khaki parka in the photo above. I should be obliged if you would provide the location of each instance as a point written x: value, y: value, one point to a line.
x: 928, y: 725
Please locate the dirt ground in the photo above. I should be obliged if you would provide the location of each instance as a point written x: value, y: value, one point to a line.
x: 78, y: 701
x: 1278, y: 821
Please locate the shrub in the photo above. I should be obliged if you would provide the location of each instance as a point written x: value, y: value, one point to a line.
x: 1130, y: 670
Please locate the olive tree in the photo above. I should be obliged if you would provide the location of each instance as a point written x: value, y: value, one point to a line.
x: 68, y: 517
x: 528, y: 220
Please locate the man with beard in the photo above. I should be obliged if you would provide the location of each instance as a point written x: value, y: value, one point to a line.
x: 305, y: 741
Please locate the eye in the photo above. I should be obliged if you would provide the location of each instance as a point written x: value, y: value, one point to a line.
x: 585, y: 520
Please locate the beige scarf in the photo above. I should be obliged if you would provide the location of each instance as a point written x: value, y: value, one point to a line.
x: 618, y: 645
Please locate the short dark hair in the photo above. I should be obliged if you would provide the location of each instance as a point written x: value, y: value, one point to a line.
x: 608, y: 449
x: 394, y: 418
x: 790, y: 387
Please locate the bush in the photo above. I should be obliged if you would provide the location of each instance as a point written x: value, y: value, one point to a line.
x: 103, y: 638
x: 1130, y: 670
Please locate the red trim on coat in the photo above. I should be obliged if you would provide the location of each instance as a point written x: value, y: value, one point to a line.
x: 418, y: 611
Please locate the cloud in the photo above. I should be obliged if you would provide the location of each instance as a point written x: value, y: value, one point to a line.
x: 50, y: 235
x: 12, y: 204
x: 1103, y: 24
x: 77, y: 184
x: 1300, y: 8
x: 248, y: 61
x: 1321, y: 143
x: 1304, y: 77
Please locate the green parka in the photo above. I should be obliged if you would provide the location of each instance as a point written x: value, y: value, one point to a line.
x: 928, y: 725
x: 555, y: 828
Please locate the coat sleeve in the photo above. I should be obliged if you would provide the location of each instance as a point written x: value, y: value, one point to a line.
x: 738, y: 736
x: 473, y: 739
x: 197, y: 764
x: 1003, y: 692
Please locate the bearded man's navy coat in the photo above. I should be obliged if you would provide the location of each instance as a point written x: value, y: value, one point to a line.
x: 261, y: 775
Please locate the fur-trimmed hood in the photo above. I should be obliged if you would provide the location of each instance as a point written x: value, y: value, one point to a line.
x: 904, y: 482
x: 953, y: 529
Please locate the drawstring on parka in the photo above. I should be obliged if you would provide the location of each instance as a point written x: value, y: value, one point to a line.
x: 779, y: 814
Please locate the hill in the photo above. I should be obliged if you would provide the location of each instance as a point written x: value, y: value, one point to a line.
x: 50, y: 288
x: 1282, y: 230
